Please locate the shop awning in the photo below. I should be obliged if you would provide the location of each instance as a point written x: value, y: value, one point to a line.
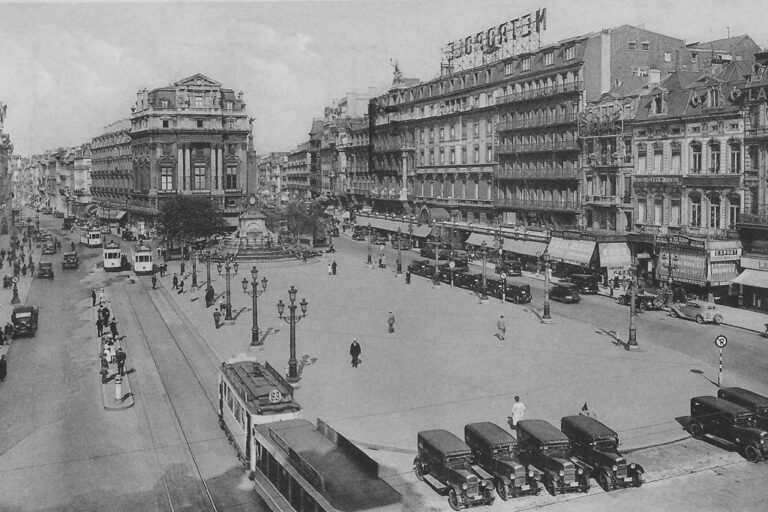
x: 575, y: 252
x: 479, y: 238
x: 119, y: 215
x: 614, y: 255
x: 90, y: 208
x: 437, y: 213
x: 527, y: 247
x: 754, y: 278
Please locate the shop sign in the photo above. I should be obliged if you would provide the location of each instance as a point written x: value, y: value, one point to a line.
x: 684, y: 241
x: 754, y: 263
x: 687, y: 266
x: 756, y: 94
x: 640, y: 180
x: 724, y: 254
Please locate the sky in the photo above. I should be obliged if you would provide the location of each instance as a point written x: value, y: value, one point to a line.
x: 69, y: 69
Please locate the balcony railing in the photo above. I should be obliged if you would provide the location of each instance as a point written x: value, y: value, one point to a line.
x: 753, y: 219
x: 538, y: 122
x: 542, y: 92
x: 538, y: 174
x: 534, y: 204
x: 603, y: 200
x: 756, y: 132
x: 537, y: 147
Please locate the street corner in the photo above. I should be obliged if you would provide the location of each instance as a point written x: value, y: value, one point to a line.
x: 116, y: 393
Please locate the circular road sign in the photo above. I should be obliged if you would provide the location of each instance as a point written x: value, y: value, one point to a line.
x: 15, y: 279
x: 501, y: 251
x: 452, y: 264
x: 503, y: 275
x: 721, y: 341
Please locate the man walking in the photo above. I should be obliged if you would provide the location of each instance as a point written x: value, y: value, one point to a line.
x: 501, y: 328
x: 154, y: 281
x: 518, y: 411
x: 93, y: 296
x: 354, y: 351
x: 391, y: 322
x: 216, y: 317
x: 181, y: 286
x: 333, y: 267
x: 120, y: 356
x: 3, y: 368
x: 113, y: 328
x: 175, y: 282
x: 99, y: 327
x: 329, y: 269
x: 104, y: 369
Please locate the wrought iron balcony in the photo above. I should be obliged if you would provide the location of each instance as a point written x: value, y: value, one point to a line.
x: 535, y: 204
x: 537, y: 122
x: 753, y: 220
x: 600, y: 200
x: 542, y: 92
x: 538, y: 147
x: 538, y: 174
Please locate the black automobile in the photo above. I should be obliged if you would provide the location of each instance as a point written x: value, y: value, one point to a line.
x: 564, y: 293
x: 755, y: 402
x: 585, y: 283
x: 518, y: 293
x: 468, y: 281
x: 597, y: 448
x: 510, y: 267
x: 358, y: 235
x: 445, y: 463
x: 404, y: 244
x: 730, y: 422
x: 24, y: 320
x: 541, y: 444
x: 495, y: 451
x: 446, y: 274
x: 127, y: 234
x: 45, y: 269
x: 643, y: 301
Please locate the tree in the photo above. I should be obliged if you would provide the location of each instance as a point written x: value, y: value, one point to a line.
x: 304, y: 217
x: 188, y: 218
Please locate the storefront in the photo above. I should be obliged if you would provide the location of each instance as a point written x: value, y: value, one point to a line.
x: 752, y: 284
x: 614, y: 259
x: 577, y: 253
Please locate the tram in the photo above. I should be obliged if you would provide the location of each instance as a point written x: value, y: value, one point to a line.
x: 141, y: 259
x: 90, y: 237
x: 112, y: 256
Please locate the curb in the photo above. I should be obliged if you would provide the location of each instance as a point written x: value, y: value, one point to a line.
x: 108, y: 394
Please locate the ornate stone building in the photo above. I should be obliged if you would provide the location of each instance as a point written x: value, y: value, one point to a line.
x: 6, y: 192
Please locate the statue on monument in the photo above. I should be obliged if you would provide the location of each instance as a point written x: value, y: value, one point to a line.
x: 250, y: 123
x: 397, y: 74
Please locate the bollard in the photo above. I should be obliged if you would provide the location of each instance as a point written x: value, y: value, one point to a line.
x: 118, y: 388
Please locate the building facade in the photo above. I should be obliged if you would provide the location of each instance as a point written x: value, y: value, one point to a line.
x: 6, y: 189
x: 296, y: 178
x: 111, y: 172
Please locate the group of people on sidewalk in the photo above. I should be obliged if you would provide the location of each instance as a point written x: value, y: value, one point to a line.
x: 111, y: 354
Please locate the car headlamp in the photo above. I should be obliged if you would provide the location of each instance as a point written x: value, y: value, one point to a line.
x: 530, y: 474
x: 464, y: 486
x: 581, y: 471
x: 561, y: 473
x: 614, y: 467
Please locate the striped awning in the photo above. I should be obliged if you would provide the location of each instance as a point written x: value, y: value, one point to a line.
x: 575, y: 252
x: 754, y: 278
x: 526, y: 247
x: 479, y: 238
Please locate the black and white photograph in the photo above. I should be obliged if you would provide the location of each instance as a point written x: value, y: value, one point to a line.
x: 383, y: 256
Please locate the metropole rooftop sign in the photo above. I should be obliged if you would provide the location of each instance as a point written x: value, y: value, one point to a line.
x: 499, y: 36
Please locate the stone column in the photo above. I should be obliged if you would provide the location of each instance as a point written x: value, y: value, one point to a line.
x: 404, y: 189
x: 187, y: 172
x: 180, y: 169
x: 220, y: 165
x: 213, y: 172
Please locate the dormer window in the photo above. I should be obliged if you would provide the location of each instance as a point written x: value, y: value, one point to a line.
x: 165, y: 103
x: 229, y: 105
x: 713, y: 97
x: 657, y: 106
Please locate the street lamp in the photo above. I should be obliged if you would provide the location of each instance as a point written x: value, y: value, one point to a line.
x: 227, y: 263
x: 546, y: 318
x: 483, y: 252
x: 399, y: 253
x: 292, y: 320
x: 255, y: 293
x: 37, y: 222
x: 194, y: 268
x: 632, y: 314
x: 370, y: 234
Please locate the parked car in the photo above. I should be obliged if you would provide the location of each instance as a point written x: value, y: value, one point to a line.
x: 518, y: 293
x: 468, y: 281
x: 380, y: 240
x: 644, y: 301
x: 446, y: 273
x: 510, y: 267
x: 445, y: 462
x: 128, y: 234
x: 756, y: 403
x: 541, y: 444
x: 702, y: 312
x: 730, y: 422
x: 404, y: 244
x: 585, y: 283
x: 564, y: 293
x: 597, y: 448
x: 71, y: 260
x: 58, y: 215
x: 358, y: 235
x: 45, y: 269
x: 417, y: 267
x: 49, y: 248
x: 495, y: 451
x: 24, y: 320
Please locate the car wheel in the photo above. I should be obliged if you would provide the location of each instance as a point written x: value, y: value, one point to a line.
x: 501, y: 488
x: 717, y: 319
x: 453, y: 500
x: 550, y: 485
x: 674, y: 313
x: 696, y: 430
x: 752, y: 453
x: 621, y: 301
x: 699, y: 319
x: 418, y: 471
x: 604, y: 480
x: 643, y: 305
x: 638, y: 479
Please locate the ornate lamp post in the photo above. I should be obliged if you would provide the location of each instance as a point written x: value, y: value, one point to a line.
x: 484, y: 253
x: 15, y: 299
x: 37, y: 222
x: 370, y: 234
x: 227, y: 263
x: 399, y: 253
x: 632, y: 314
x: 255, y: 293
x: 547, y: 318
x: 194, y: 268
x: 292, y: 320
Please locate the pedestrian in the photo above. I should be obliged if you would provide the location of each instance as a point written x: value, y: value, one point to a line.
x: 216, y: 317
x: 105, y: 315
x: 113, y: 328
x: 2, y: 338
x: 24, y: 270
x: 391, y: 322
x: 501, y: 328
x: 333, y: 267
x: 104, y: 369
x: 407, y: 276
x: 354, y: 351
x: 72, y: 246
x: 183, y: 267
x: 101, y: 295
x: 120, y: 357
x: 3, y: 368
x: 209, y: 296
x: 518, y: 411
x: 109, y: 351
x: 175, y: 282
x: 154, y: 281
x: 99, y: 327
x: 181, y: 286
x: 329, y: 269
x: 616, y: 282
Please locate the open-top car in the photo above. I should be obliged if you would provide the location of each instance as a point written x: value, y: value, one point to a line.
x: 71, y: 260
x: 755, y: 402
x: 730, y: 422
x: 597, y: 447
x: 644, y: 301
x: 24, y: 320
x: 543, y: 446
x: 445, y: 463
x: 495, y: 451
x: 49, y: 248
x: 702, y: 312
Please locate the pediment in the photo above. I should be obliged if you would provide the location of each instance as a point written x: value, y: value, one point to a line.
x: 197, y: 80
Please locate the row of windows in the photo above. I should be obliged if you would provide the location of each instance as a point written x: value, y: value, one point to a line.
x: 429, y: 133
x: 713, y: 150
x: 476, y: 156
x: 201, y: 179
x: 198, y: 103
x: 712, y: 206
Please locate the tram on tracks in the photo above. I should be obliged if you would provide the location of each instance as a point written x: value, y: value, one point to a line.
x: 112, y: 256
x: 141, y: 259
x: 91, y: 237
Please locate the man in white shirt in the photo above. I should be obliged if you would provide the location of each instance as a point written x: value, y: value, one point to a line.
x: 518, y: 411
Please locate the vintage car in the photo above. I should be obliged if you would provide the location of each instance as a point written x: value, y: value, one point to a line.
x: 510, y: 267
x: 585, y: 283
x: 49, y: 248
x: 495, y: 451
x: 24, y: 320
x: 542, y: 446
x: 756, y: 403
x: 702, y: 312
x: 71, y: 260
x: 644, y: 301
x: 597, y: 447
x: 730, y: 422
x: 45, y: 269
x: 404, y: 244
x: 69, y: 222
x: 445, y: 462
x: 518, y: 293
x: 468, y: 281
x: 380, y: 240
x: 446, y: 274
x: 128, y: 234
x: 58, y: 215
x: 358, y: 235
x: 566, y: 293
x: 417, y: 267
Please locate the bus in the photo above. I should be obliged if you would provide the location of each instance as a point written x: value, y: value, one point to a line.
x: 90, y: 237
x: 112, y: 256
x: 141, y: 259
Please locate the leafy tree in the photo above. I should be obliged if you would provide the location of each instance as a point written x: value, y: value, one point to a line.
x: 188, y: 218
x: 304, y: 217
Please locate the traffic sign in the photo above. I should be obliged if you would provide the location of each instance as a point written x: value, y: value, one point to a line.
x: 503, y: 275
x: 15, y: 279
x: 721, y: 341
x: 452, y: 264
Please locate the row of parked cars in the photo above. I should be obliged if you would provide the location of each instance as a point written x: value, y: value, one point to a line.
x: 540, y: 457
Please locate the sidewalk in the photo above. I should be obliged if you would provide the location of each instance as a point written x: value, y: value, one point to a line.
x: 113, y: 400
x: 6, y: 294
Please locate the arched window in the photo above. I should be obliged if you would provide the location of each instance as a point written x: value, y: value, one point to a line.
x: 735, y: 151
x: 694, y: 207
x: 696, y: 157
x: 714, y: 157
